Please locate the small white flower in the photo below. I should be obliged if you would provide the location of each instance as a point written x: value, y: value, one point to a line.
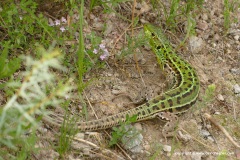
x: 63, y: 19
x: 102, y: 46
x: 57, y: 22
x: 62, y: 29
x: 95, y: 51
x: 103, y: 56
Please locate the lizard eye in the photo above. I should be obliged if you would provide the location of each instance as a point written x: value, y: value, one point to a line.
x: 153, y: 34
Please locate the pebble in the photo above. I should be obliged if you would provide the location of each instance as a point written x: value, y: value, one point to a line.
x: 216, y: 37
x: 202, y: 25
x: 138, y: 126
x: 185, y: 137
x: 196, y: 156
x: 80, y: 135
x: 236, y: 89
x: 114, y: 91
x: 167, y: 148
x: 236, y: 37
x: 210, y: 138
x: 132, y: 140
x: 147, y: 147
x: 138, y: 6
x: 217, y: 113
x: 196, y: 44
x: 235, y: 70
x: 204, y: 133
x: 98, y: 26
x: 205, y: 17
x: 220, y: 97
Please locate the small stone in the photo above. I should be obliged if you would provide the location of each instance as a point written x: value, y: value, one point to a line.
x: 138, y: 126
x: 147, y: 147
x: 92, y: 16
x: 114, y: 91
x: 205, y: 17
x: 185, y: 137
x: 196, y: 156
x: 109, y: 74
x: 208, y: 126
x: 217, y: 113
x: 236, y: 37
x: 229, y: 51
x: 86, y: 151
x: 143, y: 21
x: 196, y: 44
x: 80, y: 135
x: 98, y: 26
x: 202, y: 25
x: 144, y: 8
x: 132, y: 140
x: 204, y: 133
x: 138, y: 6
x: 210, y: 138
x: 236, y: 89
x: 235, y: 70
x: 136, y: 149
x: 216, y: 37
x: 167, y: 148
x: 220, y: 97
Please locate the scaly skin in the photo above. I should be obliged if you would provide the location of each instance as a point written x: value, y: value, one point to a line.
x: 178, y: 99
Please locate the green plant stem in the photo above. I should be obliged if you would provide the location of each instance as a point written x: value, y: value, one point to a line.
x: 80, y: 51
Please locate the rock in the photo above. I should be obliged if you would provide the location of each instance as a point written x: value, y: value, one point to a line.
x: 216, y: 37
x: 220, y: 97
x: 145, y: 8
x: 202, y: 25
x: 236, y: 89
x: 196, y: 156
x: 80, y: 135
x: 147, y: 147
x: 98, y: 26
x: 210, y: 138
x: 235, y: 70
x: 132, y: 140
x: 185, y: 137
x: 204, y: 133
x: 205, y: 17
x: 167, y: 148
x: 196, y: 44
x: 236, y: 37
x: 138, y: 126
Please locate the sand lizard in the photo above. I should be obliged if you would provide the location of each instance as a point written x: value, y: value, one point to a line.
x: 178, y: 99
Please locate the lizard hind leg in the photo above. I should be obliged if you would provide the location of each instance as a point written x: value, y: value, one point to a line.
x: 169, y: 128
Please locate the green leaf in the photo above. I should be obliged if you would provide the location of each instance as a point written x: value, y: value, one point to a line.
x: 3, y: 58
x: 7, y: 69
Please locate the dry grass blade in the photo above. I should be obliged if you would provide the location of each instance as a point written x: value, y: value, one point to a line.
x: 211, y: 119
x: 103, y: 150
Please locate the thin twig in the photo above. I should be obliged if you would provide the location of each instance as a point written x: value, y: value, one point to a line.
x: 95, y: 146
x: 198, y: 140
x: 211, y: 119
x: 90, y: 105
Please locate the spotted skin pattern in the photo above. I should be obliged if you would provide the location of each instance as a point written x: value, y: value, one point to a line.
x: 178, y: 99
